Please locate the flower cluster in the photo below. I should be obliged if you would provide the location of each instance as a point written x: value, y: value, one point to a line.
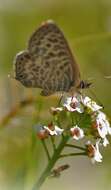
x: 99, y: 124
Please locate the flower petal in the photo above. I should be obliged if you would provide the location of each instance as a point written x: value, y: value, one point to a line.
x: 91, y: 104
x: 77, y: 133
x: 93, y: 152
x: 57, y: 131
x: 105, y: 142
x: 74, y: 104
x: 103, y: 125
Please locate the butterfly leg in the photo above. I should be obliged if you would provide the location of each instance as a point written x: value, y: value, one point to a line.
x: 60, y: 100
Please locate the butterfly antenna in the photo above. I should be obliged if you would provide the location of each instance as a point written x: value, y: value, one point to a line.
x: 94, y: 95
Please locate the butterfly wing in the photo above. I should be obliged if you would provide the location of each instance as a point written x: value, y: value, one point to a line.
x: 52, y: 65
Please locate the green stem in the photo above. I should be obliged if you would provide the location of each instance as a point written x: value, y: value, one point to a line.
x: 53, y: 143
x: 75, y: 146
x: 51, y: 163
x: 46, y: 150
x: 73, y: 154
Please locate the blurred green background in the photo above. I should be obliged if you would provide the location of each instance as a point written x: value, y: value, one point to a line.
x: 87, y: 27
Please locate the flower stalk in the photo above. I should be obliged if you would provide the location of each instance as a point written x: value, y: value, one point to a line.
x: 45, y: 148
x: 51, y: 163
x: 75, y: 146
x: 73, y: 154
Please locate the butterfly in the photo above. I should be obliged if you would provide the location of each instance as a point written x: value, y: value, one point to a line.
x: 48, y: 63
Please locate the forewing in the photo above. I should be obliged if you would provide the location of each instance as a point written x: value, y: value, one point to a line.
x: 58, y: 70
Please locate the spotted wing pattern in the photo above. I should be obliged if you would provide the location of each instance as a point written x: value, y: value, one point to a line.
x: 47, y: 63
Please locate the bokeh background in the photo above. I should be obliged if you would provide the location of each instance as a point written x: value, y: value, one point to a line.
x: 87, y: 27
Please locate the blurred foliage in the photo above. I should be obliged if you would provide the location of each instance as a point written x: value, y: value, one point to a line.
x: 86, y: 25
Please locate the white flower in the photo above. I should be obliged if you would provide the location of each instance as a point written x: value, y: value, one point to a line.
x: 91, y: 104
x: 77, y: 133
x: 97, y: 155
x: 105, y: 142
x: 74, y: 104
x: 57, y: 131
x: 102, y: 120
x: 93, y: 152
x: 103, y: 127
x: 40, y: 131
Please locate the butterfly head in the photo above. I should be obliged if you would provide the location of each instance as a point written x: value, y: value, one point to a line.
x: 84, y: 84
